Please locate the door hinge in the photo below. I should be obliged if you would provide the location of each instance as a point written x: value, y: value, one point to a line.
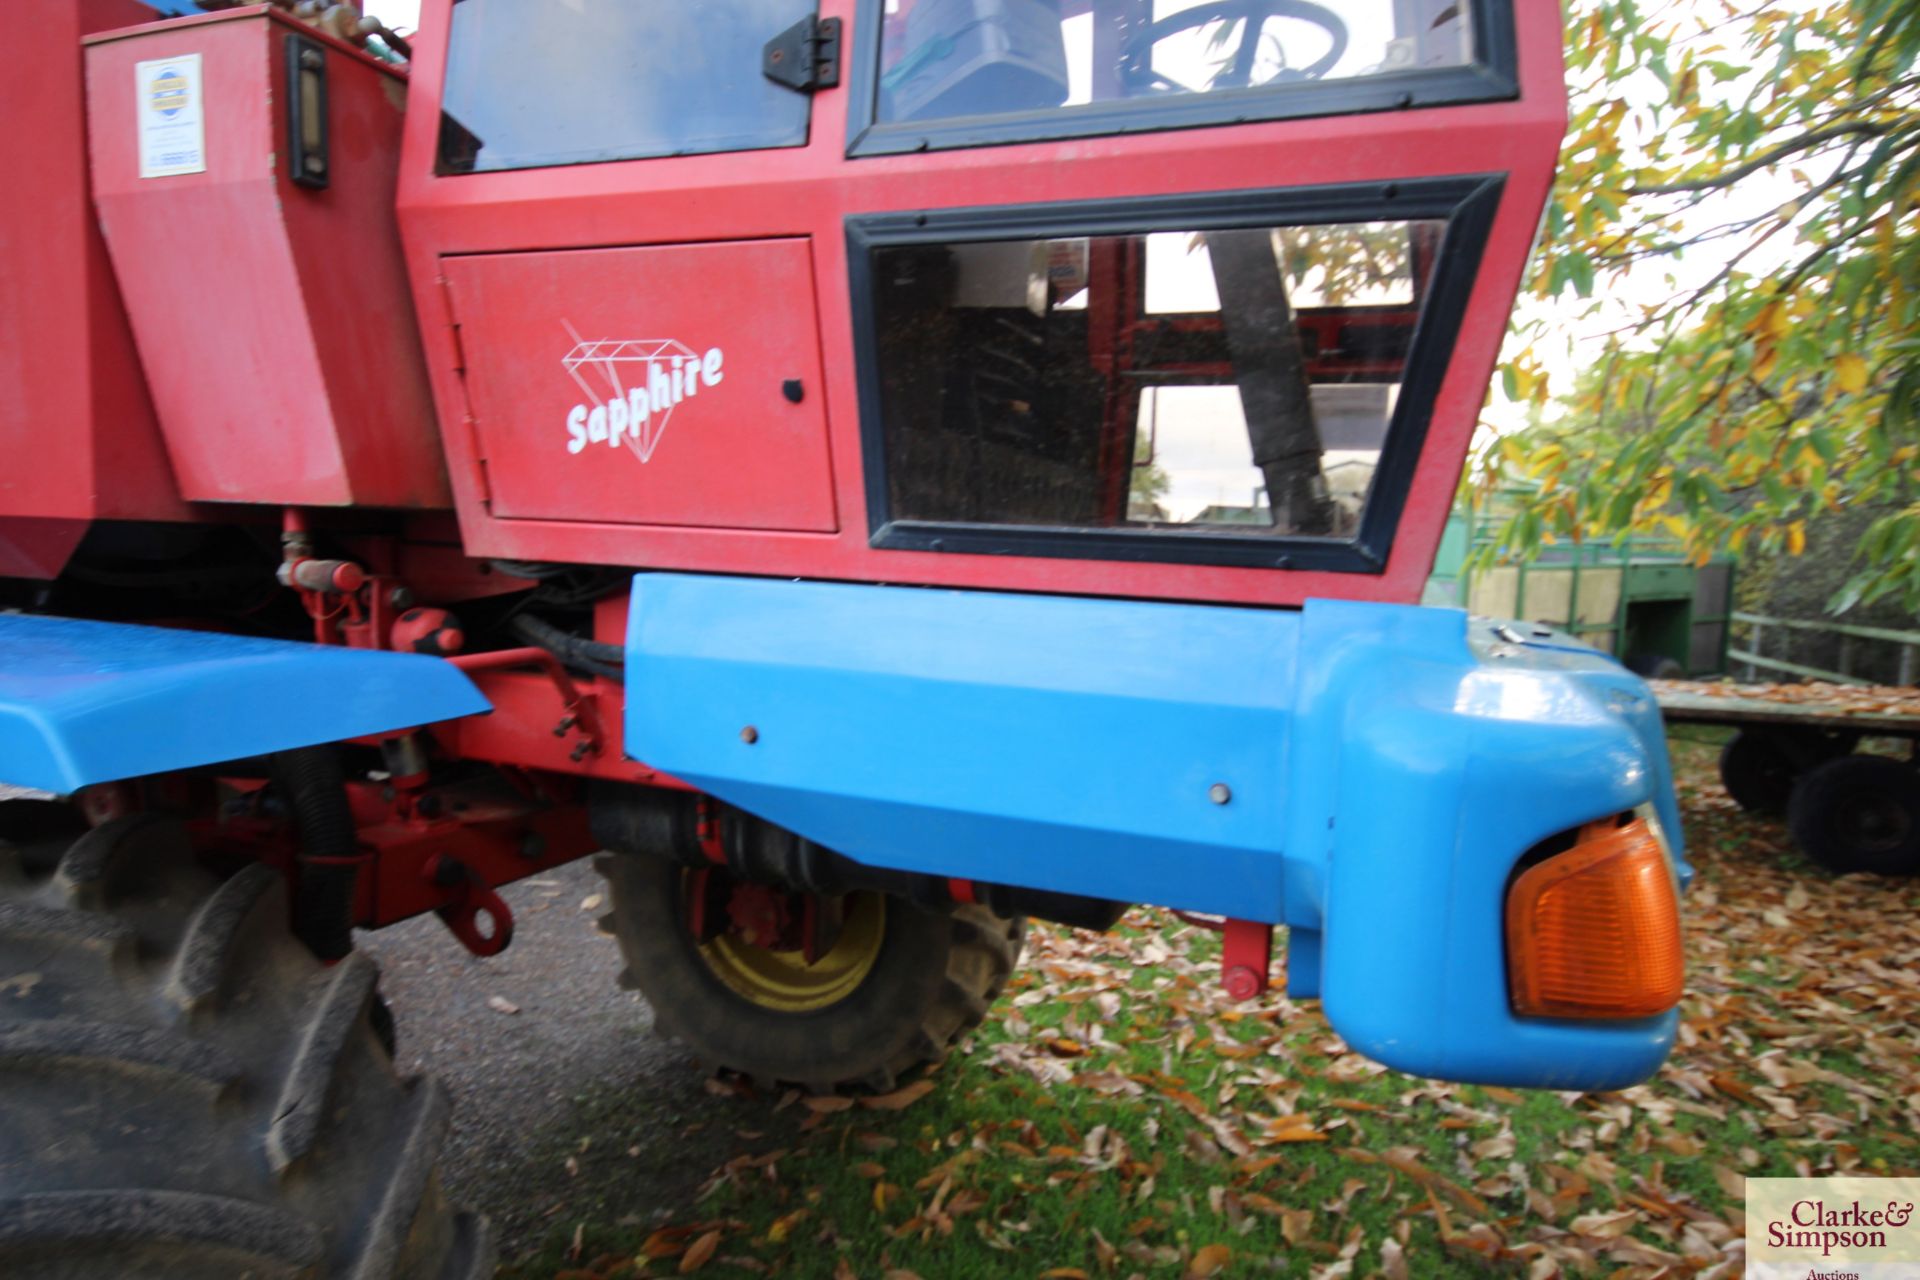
x: 453, y: 326
x: 806, y: 56
x: 482, y: 470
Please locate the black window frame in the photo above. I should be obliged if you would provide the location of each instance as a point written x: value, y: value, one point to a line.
x: 1491, y: 76
x: 1466, y: 203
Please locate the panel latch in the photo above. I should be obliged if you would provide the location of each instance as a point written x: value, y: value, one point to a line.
x: 806, y: 56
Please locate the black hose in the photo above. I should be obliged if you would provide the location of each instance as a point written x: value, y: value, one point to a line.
x: 316, y: 791
x: 593, y: 656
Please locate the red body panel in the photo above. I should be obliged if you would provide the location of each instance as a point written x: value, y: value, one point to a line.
x: 76, y: 427
x: 570, y: 404
x: 271, y: 318
x: 809, y: 191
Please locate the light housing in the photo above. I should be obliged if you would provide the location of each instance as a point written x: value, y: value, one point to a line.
x: 1594, y: 931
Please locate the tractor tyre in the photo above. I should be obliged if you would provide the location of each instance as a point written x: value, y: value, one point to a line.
x: 897, y: 989
x: 1859, y: 813
x: 185, y: 1091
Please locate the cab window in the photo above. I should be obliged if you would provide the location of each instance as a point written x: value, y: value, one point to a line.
x: 536, y: 83
x: 957, y: 72
x: 1200, y: 390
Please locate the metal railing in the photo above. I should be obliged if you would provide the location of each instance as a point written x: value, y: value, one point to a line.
x: 1755, y: 660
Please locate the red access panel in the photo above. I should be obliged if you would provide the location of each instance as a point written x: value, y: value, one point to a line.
x: 629, y: 386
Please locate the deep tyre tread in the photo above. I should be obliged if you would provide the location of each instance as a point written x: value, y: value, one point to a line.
x: 301, y: 1110
x: 936, y: 977
x: 71, y: 1222
x: 100, y: 1046
x: 213, y: 936
x: 211, y: 1101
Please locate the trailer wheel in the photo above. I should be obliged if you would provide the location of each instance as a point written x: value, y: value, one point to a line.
x: 1859, y: 813
x: 1654, y: 666
x: 185, y: 1091
x: 1759, y: 767
x: 900, y: 984
x: 1758, y: 772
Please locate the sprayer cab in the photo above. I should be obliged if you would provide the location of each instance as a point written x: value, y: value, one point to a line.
x: 1125, y: 297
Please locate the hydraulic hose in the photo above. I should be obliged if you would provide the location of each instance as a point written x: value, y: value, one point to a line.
x: 316, y: 792
x: 592, y: 656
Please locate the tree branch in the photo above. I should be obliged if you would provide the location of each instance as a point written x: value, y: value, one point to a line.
x: 1772, y: 156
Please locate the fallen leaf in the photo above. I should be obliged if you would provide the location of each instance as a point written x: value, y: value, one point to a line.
x: 1605, y: 1225
x: 699, y: 1252
x: 826, y: 1103
x: 899, y: 1099
x: 668, y: 1242
x: 1209, y: 1261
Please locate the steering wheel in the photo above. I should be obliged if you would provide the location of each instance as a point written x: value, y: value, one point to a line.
x: 1136, y: 66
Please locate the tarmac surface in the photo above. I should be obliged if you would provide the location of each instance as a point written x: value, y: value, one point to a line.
x: 575, y: 1062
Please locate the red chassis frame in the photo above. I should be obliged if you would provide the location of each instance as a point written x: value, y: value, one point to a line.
x: 809, y: 191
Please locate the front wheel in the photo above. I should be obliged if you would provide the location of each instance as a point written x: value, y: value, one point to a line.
x: 186, y: 1093
x: 890, y: 986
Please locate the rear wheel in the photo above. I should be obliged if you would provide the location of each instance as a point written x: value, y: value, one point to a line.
x: 1860, y: 813
x: 892, y: 986
x: 185, y: 1091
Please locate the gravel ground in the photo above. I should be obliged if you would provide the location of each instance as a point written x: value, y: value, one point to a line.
x: 576, y: 1061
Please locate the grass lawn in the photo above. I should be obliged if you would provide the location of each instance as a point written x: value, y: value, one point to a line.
x: 1118, y: 1116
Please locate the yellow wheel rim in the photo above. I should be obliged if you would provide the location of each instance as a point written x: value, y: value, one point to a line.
x: 784, y: 981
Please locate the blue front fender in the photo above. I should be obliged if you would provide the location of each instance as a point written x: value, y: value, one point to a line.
x: 1368, y: 775
x: 90, y: 702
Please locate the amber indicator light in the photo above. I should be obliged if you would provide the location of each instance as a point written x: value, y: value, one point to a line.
x: 1594, y: 932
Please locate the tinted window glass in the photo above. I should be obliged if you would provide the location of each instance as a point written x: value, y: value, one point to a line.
x: 548, y: 82
x: 1230, y: 381
x: 942, y: 59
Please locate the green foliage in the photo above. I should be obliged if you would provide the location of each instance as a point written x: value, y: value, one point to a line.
x: 1784, y: 384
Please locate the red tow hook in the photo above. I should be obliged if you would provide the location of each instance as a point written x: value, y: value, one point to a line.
x: 467, y: 900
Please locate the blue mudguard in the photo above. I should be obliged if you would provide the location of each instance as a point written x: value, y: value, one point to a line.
x: 89, y: 702
x: 1368, y: 775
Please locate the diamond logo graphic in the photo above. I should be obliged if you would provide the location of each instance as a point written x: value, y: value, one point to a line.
x: 647, y: 377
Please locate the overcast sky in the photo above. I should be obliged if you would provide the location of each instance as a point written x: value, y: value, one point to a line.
x: 401, y: 15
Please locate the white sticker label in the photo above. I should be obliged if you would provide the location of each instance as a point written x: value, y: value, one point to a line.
x: 172, y: 116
